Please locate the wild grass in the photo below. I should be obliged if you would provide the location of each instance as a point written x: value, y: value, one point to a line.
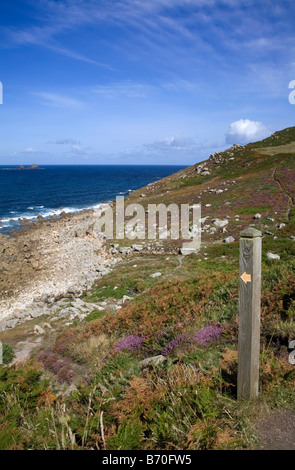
x: 252, y: 210
x: 90, y: 351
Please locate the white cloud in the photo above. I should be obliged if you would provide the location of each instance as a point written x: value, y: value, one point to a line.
x: 245, y: 131
x: 30, y: 150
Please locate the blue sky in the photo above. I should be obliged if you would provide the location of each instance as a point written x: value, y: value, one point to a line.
x: 142, y: 81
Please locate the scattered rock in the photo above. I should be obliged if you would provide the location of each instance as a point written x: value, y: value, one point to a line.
x: 11, y: 323
x: 152, y: 361
x: 229, y: 240
x: 103, y: 270
x: 271, y: 256
x: 124, y: 299
x: 203, y: 220
x: 125, y: 250
x: 72, y: 290
x: 155, y: 275
x: 136, y: 247
x: 38, y: 330
x: 220, y: 223
x: 187, y: 251
x: 38, y: 312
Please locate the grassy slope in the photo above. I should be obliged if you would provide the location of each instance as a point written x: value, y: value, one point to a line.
x: 188, y: 402
x: 252, y: 182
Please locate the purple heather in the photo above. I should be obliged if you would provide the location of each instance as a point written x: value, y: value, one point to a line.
x: 204, y: 337
x: 208, y: 335
x: 178, y: 341
x: 131, y: 343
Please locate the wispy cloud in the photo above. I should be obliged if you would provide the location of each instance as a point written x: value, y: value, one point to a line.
x: 57, y: 100
x: 174, y: 143
x: 155, y: 22
x: 56, y: 19
x: 44, y: 37
x: 126, y: 88
x: 31, y: 151
x: 180, y: 148
x: 68, y: 141
x: 178, y: 28
x: 78, y: 150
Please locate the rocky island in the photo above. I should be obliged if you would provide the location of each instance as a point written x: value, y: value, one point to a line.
x: 32, y: 167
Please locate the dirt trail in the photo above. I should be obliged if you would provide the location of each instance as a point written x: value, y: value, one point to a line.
x: 277, y: 430
x: 291, y: 198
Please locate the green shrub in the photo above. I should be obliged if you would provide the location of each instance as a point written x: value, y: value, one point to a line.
x: 7, y: 353
x: 96, y: 315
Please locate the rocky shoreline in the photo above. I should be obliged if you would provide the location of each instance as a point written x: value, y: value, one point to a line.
x: 46, y: 267
x: 49, y: 262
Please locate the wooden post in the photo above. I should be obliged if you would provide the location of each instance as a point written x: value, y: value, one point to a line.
x: 249, y: 313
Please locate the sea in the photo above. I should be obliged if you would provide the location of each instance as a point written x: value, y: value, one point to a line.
x: 51, y: 190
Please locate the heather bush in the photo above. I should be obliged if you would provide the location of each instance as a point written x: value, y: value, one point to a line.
x: 203, y: 338
x: 175, y: 343
x: 209, y: 334
x: 130, y: 343
x: 63, y: 342
x: 58, y: 365
x: 64, y: 374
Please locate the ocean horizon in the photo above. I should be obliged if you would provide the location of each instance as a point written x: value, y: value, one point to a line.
x: 53, y: 189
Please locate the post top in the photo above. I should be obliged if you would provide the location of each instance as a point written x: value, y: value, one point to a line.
x: 251, y: 232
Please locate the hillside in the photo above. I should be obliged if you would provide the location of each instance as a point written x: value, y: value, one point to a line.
x: 235, y: 184
x: 152, y: 363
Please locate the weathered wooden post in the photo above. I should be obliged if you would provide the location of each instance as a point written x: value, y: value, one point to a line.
x: 249, y: 313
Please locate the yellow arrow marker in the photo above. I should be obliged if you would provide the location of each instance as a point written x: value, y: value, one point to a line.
x: 246, y: 277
